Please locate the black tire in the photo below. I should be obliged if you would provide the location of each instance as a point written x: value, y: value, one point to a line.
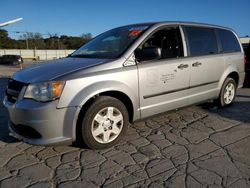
x: 221, y: 101
x: 99, y: 105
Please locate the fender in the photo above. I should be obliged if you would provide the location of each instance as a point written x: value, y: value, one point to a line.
x: 229, y: 70
x: 96, y: 88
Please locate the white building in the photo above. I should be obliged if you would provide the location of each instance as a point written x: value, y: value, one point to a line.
x: 244, y: 40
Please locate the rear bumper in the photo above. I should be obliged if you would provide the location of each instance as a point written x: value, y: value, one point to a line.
x: 41, y: 123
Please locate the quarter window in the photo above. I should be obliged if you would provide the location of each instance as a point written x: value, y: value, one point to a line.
x: 229, y: 42
x: 201, y: 41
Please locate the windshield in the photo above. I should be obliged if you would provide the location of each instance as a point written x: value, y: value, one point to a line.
x: 111, y: 44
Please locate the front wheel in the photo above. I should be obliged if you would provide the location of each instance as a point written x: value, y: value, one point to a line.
x: 228, y: 93
x: 104, y: 123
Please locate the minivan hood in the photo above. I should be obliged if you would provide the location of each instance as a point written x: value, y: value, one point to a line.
x: 54, y: 69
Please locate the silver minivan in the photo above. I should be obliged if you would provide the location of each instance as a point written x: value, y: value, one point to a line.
x: 125, y: 74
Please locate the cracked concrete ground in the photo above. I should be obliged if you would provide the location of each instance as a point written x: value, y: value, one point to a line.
x: 198, y: 146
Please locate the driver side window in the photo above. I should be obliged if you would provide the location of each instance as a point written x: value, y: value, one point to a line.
x: 166, y: 41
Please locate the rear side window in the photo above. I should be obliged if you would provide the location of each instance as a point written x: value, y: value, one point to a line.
x: 229, y: 42
x: 201, y: 41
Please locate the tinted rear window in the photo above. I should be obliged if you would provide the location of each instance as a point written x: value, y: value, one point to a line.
x: 229, y: 42
x: 201, y: 41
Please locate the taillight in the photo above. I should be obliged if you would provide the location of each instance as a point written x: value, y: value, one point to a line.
x: 245, y: 59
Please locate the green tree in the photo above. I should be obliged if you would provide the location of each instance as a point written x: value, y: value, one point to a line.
x: 35, y: 40
x: 5, y: 40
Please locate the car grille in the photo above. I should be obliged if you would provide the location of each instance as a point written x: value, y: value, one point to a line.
x: 13, y: 90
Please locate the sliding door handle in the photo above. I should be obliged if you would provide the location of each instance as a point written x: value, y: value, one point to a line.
x: 196, y: 64
x: 182, y: 66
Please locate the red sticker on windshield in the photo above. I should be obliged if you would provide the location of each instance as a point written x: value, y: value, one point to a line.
x: 134, y: 33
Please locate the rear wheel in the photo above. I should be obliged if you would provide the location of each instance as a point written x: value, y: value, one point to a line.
x: 228, y: 93
x: 104, y: 123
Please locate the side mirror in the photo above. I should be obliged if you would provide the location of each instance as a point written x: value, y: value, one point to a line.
x: 148, y: 53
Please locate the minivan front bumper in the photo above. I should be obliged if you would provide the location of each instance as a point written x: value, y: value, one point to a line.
x: 40, y: 123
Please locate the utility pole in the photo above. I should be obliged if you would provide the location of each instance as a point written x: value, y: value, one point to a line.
x: 58, y: 42
x: 27, y: 42
x: 26, y: 37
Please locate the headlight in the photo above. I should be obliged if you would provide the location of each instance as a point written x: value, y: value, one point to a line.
x: 45, y: 91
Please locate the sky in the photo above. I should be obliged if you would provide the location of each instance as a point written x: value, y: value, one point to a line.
x: 75, y: 17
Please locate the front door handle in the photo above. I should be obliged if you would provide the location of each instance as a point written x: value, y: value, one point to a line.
x: 182, y: 66
x: 196, y: 64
